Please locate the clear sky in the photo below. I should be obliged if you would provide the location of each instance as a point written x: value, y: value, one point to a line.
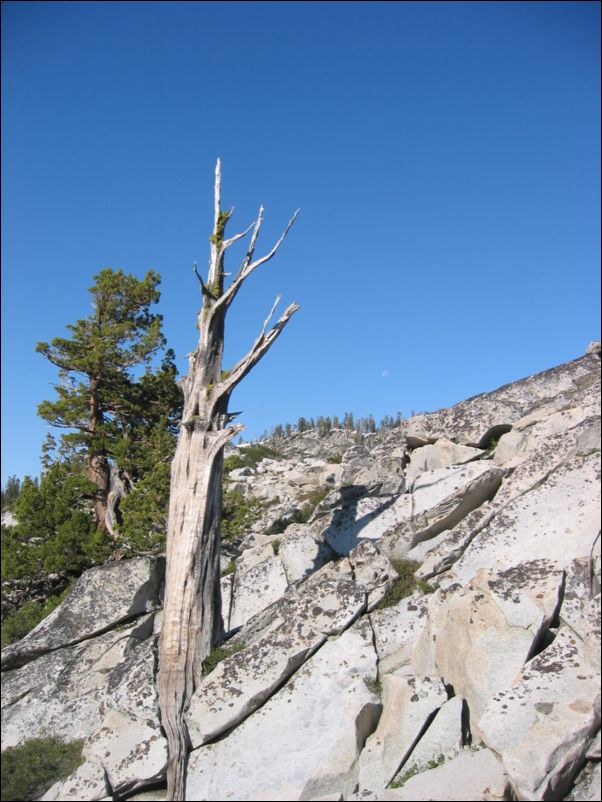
x: 445, y: 156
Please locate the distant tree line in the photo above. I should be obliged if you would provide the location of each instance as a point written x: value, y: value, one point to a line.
x: 323, y: 425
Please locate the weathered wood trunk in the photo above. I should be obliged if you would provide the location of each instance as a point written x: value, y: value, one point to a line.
x: 192, y: 621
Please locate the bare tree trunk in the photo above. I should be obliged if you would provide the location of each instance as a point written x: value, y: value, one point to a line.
x: 192, y: 621
x: 99, y: 470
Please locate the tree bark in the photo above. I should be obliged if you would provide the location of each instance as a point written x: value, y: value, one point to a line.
x: 192, y: 620
x: 99, y: 470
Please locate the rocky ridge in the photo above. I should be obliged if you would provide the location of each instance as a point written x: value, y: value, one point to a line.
x: 483, y: 683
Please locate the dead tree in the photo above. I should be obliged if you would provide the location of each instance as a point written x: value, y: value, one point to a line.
x: 192, y: 620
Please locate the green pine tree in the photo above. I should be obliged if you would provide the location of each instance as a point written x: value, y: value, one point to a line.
x: 99, y: 400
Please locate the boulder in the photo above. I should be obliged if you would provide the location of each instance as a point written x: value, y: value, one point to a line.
x: 479, y: 636
x: 355, y: 517
x: 580, y: 611
x: 64, y: 693
x: 252, y: 556
x: 441, y: 454
x: 587, y: 785
x: 442, y: 740
x: 125, y: 753
x: 302, y: 552
x: 275, y: 754
x: 372, y: 570
x: 329, y: 606
x: 396, y: 629
x: 102, y: 597
x: 440, y: 499
x: 131, y: 751
x: 244, y: 681
x: 469, y: 776
x: 542, y: 724
x: 409, y: 703
x: 131, y: 684
x: 547, y: 455
x: 476, y: 420
x: 557, y: 519
x: 256, y: 589
x: 88, y: 782
x: 451, y: 544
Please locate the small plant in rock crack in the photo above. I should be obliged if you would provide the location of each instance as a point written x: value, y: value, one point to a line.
x: 374, y: 684
x: 402, y: 778
x: 229, y: 569
x: 217, y: 654
x: 405, y: 584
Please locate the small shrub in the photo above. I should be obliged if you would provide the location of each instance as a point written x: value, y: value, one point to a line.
x: 374, y: 684
x: 216, y: 655
x: 312, y: 498
x: 229, y: 569
x: 238, y: 513
x: 423, y: 585
x: 231, y: 462
x: 405, y: 584
x: 438, y: 761
x: 402, y: 779
x: 276, y: 545
x: 250, y: 456
x: 30, y: 769
x: 336, y: 459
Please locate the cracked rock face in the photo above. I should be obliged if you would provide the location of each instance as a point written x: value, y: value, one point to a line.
x: 541, y: 725
x: 102, y: 598
x: 325, y: 694
x: 329, y: 696
x: 243, y: 682
x: 409, y: 703
x: 64, y: 692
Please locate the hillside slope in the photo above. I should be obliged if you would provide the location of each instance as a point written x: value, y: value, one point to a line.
x: 413, y: 617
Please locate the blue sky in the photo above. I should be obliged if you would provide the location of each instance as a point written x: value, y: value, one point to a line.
x: 445, y: 156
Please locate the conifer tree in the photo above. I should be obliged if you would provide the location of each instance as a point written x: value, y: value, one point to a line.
x: 98, y: 399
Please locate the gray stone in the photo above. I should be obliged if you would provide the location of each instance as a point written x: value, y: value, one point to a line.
x: 64, y: 693
x: 588, y: 784
x: 478, y: 637
x: 472, y: 421
x: 328, y: 606
x: 452, y: 543
x: 558, y: 519
x: 441, y: 498
x: 409, y: 703
x: 542, y: 724
x: 102, y: 598
x: 87, y: 782
x: 131, y: 751
x: 470, y: 776
x: 256, y: 589
x: 396, y: 629
x: 441, y: 454
x: 302, y: 552
x: 441, y: 741
x: 275, y: 754
x: 244, y: 681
